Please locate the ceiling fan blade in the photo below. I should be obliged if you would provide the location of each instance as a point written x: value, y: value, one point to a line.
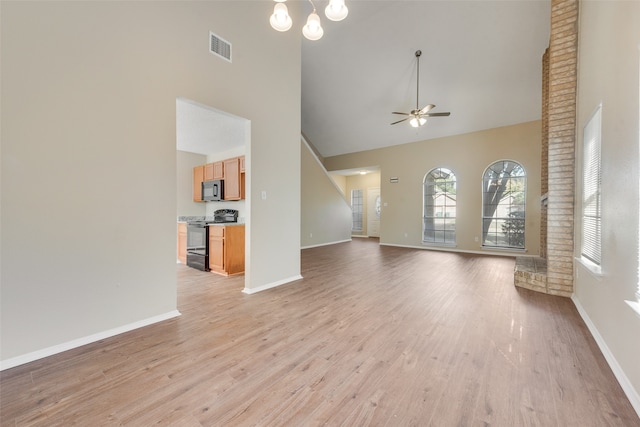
x: 404, y: 114
x: 427, y: 108
x: 436, y: 114
x: 400, y: 120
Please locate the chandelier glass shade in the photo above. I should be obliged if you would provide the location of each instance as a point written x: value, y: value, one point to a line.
x: 313, y: 30
x: 281, y: 21
x: 336, y: 10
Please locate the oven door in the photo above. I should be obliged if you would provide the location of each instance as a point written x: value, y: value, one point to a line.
x: 197, y: 239
x: 197, y: 242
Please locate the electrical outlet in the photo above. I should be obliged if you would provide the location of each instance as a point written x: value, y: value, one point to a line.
x: 476, y: 238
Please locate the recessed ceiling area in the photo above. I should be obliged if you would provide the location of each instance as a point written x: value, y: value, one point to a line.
x: 205, y: 130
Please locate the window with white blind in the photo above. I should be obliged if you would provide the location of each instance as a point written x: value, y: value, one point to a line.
x: 591, y: 190
x: 356, y: 210
x: 439, y: 207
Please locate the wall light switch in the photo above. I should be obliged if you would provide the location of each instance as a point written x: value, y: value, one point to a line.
x: 264, y: 194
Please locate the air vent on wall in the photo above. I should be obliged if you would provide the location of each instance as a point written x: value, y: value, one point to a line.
x: 219, y: 46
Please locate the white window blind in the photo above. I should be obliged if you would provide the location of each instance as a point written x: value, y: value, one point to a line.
x: 591, y: 190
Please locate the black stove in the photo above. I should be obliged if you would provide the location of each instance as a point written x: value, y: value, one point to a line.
x: 198, y: 237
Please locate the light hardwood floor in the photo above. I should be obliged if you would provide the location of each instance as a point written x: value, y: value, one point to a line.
x: 372, y: 336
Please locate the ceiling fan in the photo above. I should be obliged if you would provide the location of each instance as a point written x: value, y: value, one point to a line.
x: 418, y: 117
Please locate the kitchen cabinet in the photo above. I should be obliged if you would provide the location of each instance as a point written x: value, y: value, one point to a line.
x: 241, y: 164
x: 218, y: 170
x: 182, y: 242
x: 213, y: 171
x: 226, y: 249
x: 198, y: 177
x: 232, y: 179
x: 208, y: 172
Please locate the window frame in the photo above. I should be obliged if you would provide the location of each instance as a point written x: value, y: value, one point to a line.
x: 502, y: 220
x: 591, y: 208
x: 447, y: 221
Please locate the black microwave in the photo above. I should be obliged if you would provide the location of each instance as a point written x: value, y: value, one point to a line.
x: 213, y: 191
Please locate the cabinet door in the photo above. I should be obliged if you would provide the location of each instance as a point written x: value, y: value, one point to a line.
x: 182, y: 242
x: 218, y: 170
x: 198, y: 177
x: 208, y: 172
x: 232, y: 179
x: 216, y: 249
x: 234, y: 249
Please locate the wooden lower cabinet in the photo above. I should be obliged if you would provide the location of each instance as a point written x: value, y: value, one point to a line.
x: 226, y: 249
x: 182, y: 242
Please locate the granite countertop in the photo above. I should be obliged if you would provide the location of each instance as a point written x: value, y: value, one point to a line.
x: 187, y: 218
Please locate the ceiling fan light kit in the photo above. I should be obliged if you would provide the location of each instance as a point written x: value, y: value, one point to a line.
x: 418, y: 117
x: 281, y: 21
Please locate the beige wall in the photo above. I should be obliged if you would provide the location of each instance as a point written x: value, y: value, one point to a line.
x: 467, y: 156
x: 609, y: 73
x: 89, y: 157
x: 185, y: 162
x: 325, y: 214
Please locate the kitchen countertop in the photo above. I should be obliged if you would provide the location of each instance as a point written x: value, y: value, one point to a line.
x: 187, y: 218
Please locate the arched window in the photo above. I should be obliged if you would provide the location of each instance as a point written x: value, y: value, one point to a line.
x: 439, y: 207
x: 503, y: 205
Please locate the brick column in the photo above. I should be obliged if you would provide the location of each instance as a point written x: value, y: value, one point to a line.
x: 544, y: 166
x: 563, y: 52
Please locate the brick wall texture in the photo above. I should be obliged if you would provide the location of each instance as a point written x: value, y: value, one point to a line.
x: 561, y: 112
x: 544, y: 166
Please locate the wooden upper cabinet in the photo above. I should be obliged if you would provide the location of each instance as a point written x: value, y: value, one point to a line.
x: 198, y: 177
x: 232, y: 179
x: 241, y: 164
x: 213, y: 171
x: 208, y: 172
x: 218, y: 170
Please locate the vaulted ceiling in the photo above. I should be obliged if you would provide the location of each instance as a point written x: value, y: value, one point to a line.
x: 481, y: 60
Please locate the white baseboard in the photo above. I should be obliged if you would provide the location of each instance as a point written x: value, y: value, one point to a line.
x: 627, y: 387
x: 325, y: 244
x: 50, y: 351
x: 270, y: 285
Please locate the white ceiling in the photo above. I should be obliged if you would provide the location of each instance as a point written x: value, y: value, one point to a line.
x: 206, y: 130
x: 481, y: 60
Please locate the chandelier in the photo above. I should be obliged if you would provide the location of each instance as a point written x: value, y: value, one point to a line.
x: 281, y: 21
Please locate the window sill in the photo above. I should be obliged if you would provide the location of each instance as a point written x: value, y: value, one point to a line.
x: 635, y: 306
x: 440, y: 245
x: 501, y: 249
x: 593, y: 269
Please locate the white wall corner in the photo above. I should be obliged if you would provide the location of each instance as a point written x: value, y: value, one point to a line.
x: 50, y: 351
x: 250, y: 291
x: 631, y: 393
